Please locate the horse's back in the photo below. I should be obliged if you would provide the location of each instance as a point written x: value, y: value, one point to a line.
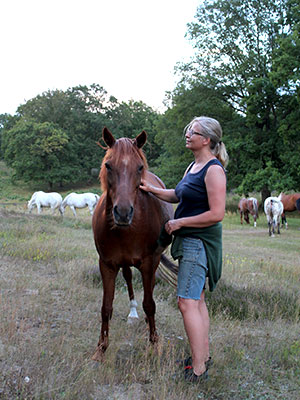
x: 274, y: 205
x: 242, y: 205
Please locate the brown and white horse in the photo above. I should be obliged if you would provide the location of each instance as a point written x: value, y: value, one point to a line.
x: 246, y: 206
x: 273, y: 209
x: 289, y: 202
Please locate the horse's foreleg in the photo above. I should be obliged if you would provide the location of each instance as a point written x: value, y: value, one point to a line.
x: 284, y: 221
x: 241, y: 215
x: 108, y: 275
x: 73, y: 210
x: 127, y: 274
x: 246, y: 216
x: 148, y: 275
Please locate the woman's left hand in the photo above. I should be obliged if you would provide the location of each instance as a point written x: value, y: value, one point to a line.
x: 172, y: 225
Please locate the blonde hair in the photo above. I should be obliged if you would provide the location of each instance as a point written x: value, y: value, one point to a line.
x: 211, y: 128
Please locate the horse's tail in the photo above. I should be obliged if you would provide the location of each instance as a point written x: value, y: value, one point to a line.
x: 167, y: 270
x: 255, y: 205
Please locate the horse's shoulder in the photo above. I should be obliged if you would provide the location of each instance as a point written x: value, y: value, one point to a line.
x: 154, y: 179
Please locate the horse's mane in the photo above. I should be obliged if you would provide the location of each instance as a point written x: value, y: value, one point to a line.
x: 122, y: 147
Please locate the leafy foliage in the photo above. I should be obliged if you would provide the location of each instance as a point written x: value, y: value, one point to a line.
x: 53, y: 138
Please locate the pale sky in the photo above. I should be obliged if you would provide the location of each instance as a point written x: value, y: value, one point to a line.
x: 129, y: 47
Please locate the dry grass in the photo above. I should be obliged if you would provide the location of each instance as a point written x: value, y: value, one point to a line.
x: 50, y: 310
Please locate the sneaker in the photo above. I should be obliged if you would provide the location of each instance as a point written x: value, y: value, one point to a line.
x: 190, y: 376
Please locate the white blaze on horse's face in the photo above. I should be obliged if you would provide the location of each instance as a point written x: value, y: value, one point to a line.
x: 123, y: 181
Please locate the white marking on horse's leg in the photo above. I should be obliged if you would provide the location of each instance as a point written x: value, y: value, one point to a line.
x: 133, y: 313
x: 286, y: 225
x: 254, y: 224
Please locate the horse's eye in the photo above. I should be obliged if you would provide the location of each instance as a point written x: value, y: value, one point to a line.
x: 108, y: 167
x: 141, y: 167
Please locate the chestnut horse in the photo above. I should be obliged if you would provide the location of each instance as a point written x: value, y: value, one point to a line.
x: 247, y: 206
x: 289, y: 202
x: 126, y: 224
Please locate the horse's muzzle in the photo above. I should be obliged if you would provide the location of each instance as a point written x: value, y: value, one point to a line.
x: 123, y: 216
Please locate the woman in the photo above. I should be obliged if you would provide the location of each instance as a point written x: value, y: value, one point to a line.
x: 197, y: 234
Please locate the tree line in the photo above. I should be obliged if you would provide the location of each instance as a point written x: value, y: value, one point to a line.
x: 245, y: 73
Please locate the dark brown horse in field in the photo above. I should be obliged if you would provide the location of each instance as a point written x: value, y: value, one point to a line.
x: 126, y: 224
x: 247, y: 206
x: 289, y: 202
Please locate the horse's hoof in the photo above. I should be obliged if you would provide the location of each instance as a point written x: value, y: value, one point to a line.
x: 98, y: 355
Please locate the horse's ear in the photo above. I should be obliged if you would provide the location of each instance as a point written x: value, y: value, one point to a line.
x: 141, y: 139
x: 108, y: 137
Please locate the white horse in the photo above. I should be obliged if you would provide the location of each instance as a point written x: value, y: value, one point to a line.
x: 273, y: 208
x: 75, y: 200
x: 41, y: 199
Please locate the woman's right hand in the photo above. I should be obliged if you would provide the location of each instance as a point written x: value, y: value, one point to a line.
x: 145, y: 186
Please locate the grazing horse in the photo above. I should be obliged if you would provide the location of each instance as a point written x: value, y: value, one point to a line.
x: 273, y: 208
x: 41, y: 199
x: 247, y: 206
x: 75, y: 200
x: 126, y: 224
x: 289, y: 202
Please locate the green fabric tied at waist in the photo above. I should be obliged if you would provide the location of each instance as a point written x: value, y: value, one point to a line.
x: 211, y: 237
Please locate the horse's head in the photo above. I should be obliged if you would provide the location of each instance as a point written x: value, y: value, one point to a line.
x: 122, y: 169
x: 29, y: 205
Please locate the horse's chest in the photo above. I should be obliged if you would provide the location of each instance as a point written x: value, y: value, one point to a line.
x: 125, y: 249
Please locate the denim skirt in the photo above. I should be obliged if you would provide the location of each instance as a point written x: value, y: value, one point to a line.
x: 192, y: 269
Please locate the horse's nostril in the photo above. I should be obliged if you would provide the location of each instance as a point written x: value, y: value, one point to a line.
x: 123, y: 215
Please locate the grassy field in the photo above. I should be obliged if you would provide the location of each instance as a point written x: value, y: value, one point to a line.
x: 50, y: 315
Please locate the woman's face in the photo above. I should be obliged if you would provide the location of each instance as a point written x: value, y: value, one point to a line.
x: 193, y: 136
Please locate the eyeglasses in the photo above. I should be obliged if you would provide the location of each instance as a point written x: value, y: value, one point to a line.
x: 191, y: 132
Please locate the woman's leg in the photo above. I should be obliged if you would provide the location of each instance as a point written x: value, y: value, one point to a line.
x: 196, y: 323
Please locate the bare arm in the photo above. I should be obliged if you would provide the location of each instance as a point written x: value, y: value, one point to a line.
x: 215, y: 181
x: 163, y: 194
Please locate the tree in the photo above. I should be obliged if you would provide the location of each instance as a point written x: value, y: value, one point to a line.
x: 186, y: 104
x: 36, y: 151
x: 77, y: 115
x: 129, y: 119
x: 235, y: 42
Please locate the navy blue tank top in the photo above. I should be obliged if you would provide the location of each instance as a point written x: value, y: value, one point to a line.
x: 191, y: 192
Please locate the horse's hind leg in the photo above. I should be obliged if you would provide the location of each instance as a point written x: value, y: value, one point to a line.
x: 91, y: 208
x: 127, y: 274
x: 270, y: 228
x: 108, y: 275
